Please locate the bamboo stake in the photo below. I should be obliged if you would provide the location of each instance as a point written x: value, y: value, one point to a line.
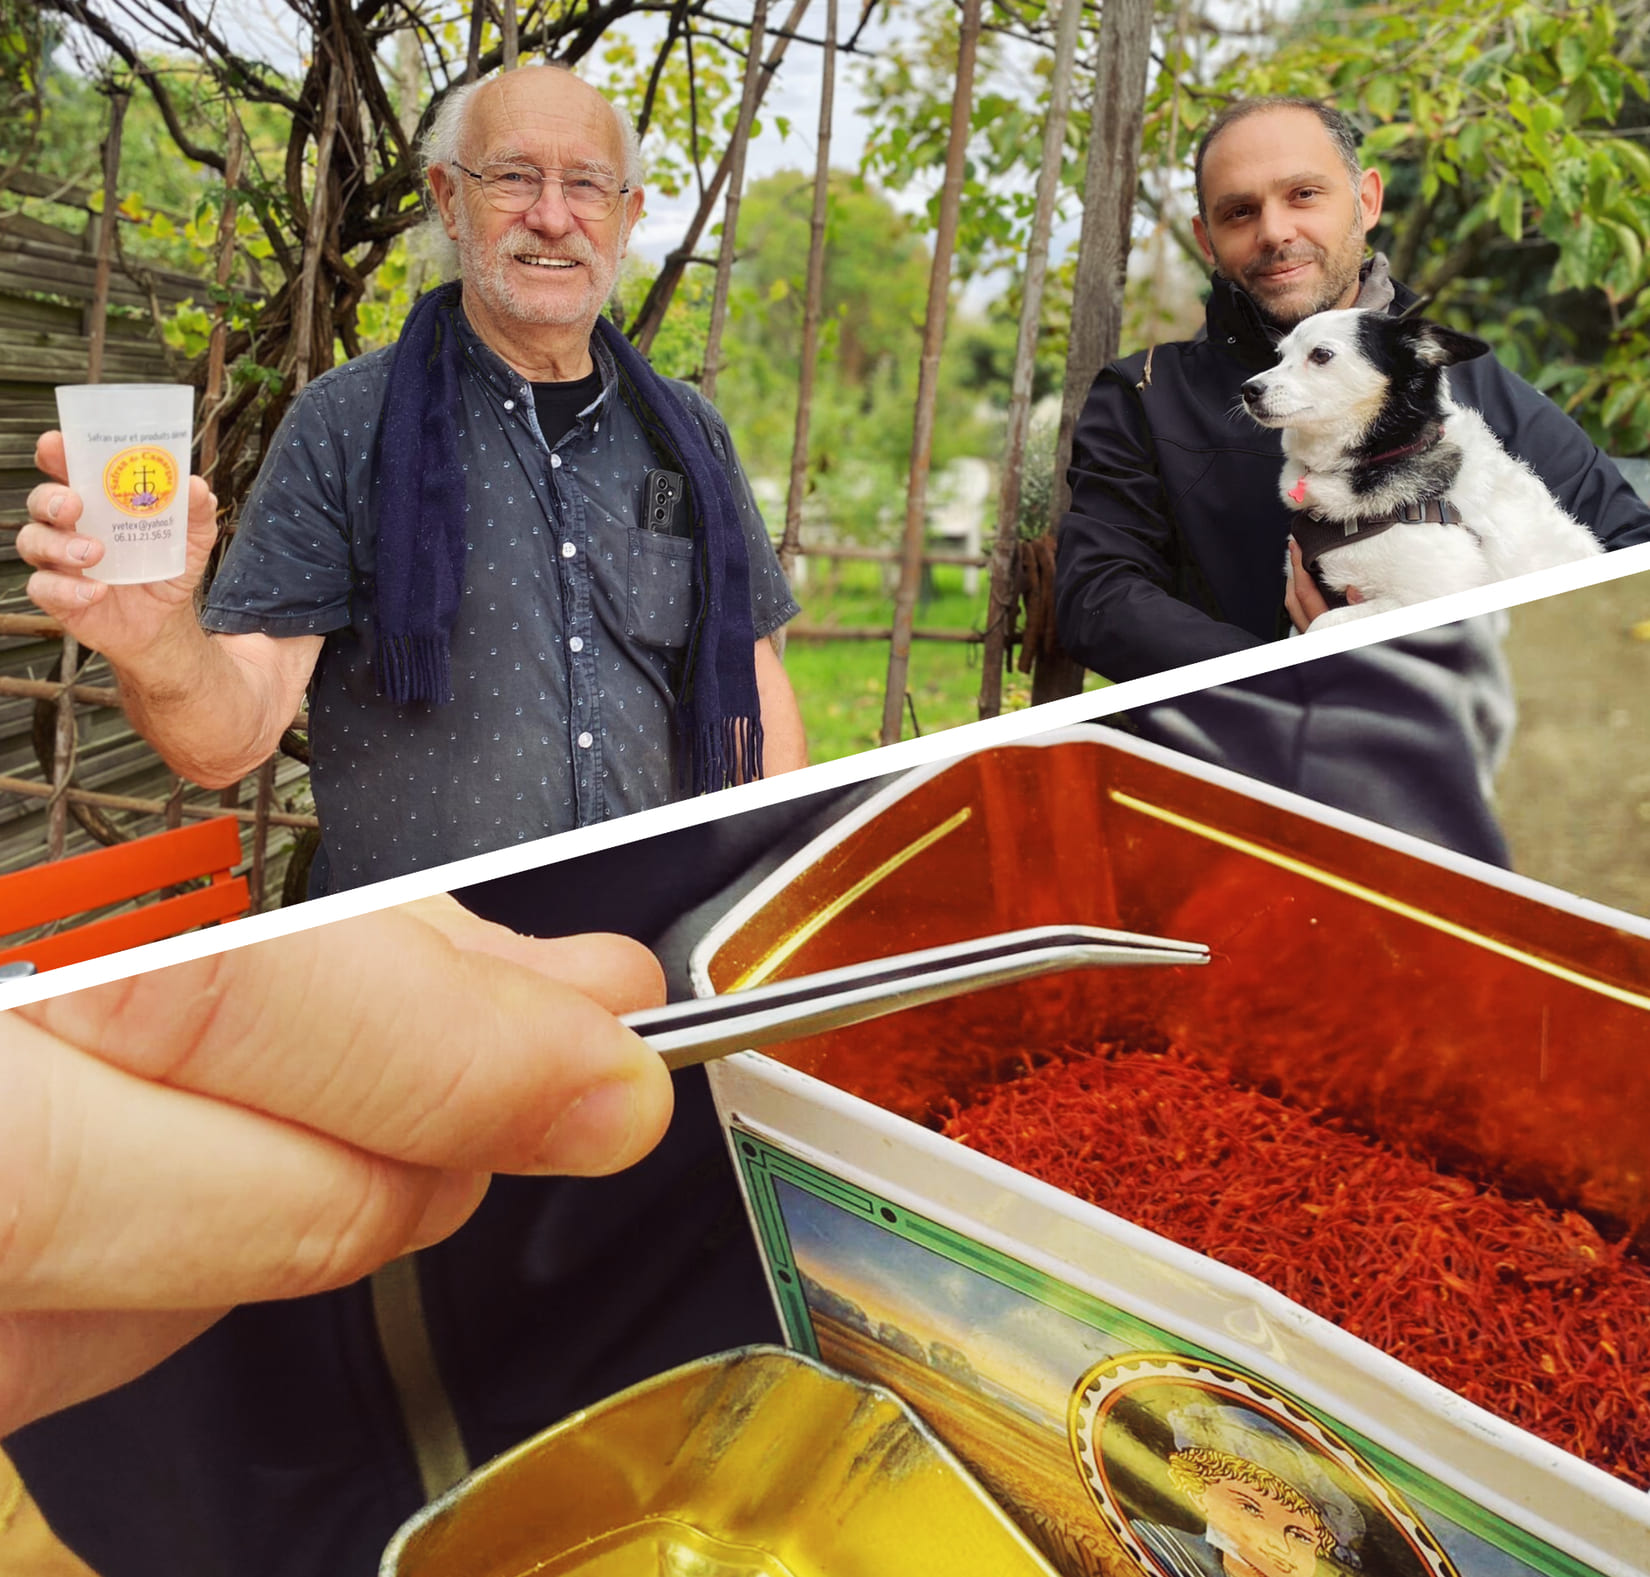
x: 730, y: 214
x: 646, y: 324
x: 1121, y: 57
x: 933, y: 342
x: 215, y: 352
x: 1003, y: 553
x: 812, y: 300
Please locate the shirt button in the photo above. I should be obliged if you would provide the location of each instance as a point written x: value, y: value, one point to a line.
x: 509, y: 405
x: 586, y: 740
x: 576, y: 644
x: 568, y: 550
x: 555, y: 462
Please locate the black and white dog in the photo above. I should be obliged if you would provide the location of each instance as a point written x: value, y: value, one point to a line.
x: 1400, y: 493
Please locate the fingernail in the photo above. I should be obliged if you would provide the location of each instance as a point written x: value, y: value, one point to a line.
x: 79, y: 550
x: 594, y: 1134
x: 85, y: 591
x: 54, y: 506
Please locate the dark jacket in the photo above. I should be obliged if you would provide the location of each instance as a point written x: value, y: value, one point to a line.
x: 1173, y: 549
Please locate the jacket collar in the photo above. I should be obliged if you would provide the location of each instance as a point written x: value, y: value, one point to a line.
x: 1235, y: 327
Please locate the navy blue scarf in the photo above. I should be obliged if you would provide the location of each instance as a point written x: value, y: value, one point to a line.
x: 420, y: 578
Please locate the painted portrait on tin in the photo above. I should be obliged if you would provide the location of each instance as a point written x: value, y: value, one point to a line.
x: 1199, y: 1471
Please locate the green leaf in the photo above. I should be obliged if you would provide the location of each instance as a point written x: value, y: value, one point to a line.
x: 1573, y: 55
x: 1635, y: 158
x: 1509, y: 210
x: 1619, y: 402
x: 1637, y: 437
x: 1381, y: 98
x: 1385, y: 138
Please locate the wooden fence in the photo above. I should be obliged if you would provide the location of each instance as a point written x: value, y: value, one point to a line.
x: 117, y: 787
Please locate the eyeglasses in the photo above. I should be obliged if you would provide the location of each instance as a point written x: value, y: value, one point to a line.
x: 514, y: 188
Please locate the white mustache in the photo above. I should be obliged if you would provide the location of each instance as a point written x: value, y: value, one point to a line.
x: 573, y: 248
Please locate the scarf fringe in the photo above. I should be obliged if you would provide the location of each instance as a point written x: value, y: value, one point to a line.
x: 721, y: 755
x: 413, y: 668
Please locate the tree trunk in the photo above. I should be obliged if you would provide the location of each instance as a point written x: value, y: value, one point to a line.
x: 1004, y: 552
x: 730, y: 214
x: 812, y: 301
x: 933, y: 342
x: 645, y: 325
x: 1110, y: 179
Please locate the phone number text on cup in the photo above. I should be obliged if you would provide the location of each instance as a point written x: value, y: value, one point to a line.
x: 125, y: 531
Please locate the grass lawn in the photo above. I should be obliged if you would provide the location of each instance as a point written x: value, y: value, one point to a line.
x: 840, y: 684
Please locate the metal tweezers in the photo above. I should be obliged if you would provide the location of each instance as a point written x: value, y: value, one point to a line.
x: 687, y: 1033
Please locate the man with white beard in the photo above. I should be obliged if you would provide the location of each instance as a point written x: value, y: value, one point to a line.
x: 521, y: 575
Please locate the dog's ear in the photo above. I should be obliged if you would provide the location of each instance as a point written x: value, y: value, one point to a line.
x: 1439, y: 346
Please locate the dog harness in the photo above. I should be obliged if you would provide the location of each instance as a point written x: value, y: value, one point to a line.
x: 1317, y: 535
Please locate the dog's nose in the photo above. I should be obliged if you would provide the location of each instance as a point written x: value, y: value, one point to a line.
x: 1252, y: 392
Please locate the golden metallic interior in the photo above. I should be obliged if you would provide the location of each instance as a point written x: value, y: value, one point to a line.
x: 1438, y: 1008
x: 756, y: 1463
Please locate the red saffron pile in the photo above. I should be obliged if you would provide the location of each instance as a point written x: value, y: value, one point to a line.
x: 1524, y: 1310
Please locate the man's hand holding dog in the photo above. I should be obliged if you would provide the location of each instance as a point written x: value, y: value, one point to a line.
x: 1301, y: 595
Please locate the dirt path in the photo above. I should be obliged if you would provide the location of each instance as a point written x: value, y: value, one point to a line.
x: 1574, y: 795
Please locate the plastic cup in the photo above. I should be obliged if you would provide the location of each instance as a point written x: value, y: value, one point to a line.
x: 127, y: 446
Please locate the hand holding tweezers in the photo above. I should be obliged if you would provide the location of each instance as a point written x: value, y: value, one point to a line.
x: 686, y: 1033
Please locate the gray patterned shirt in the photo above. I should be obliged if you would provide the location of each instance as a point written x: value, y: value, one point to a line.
x: 569, y: 637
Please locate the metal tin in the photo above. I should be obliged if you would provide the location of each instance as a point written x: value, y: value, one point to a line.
x: 1498, y: 1022
x: 754, y: 1463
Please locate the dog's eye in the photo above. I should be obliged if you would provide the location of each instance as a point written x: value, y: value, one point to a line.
x: 1321, y: 356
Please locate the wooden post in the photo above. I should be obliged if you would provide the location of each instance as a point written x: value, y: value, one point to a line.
x: 508, y: 33
x: 212, y: 399
x: 472, y: 57
x: 652, y: 313
x: 65, y: 734
x: 730, y: 214
x: 97, y: 315
x: 933, y: 341
x: 1110, y: 178
x: 1004, y: 551
x: 304, y: 347
x: 262, y: 806
x: 813, y: 297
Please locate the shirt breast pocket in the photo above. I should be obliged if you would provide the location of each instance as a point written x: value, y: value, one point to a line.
x: 660, y: 593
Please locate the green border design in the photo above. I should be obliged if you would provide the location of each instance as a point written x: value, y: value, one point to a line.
x: 762, y: 1163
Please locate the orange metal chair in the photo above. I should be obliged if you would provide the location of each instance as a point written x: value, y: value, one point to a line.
x: 71, y: 887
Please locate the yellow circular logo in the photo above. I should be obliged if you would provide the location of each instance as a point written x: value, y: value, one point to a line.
x: 141, y: 481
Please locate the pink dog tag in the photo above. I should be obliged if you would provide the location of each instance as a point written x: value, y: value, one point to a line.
x: 1298, y: 491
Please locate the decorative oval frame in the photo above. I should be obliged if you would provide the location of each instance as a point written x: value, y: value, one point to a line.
x: 1102, y: 1387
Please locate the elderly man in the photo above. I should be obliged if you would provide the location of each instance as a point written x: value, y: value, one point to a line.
x: 1175, y: 542
x: 520, y: 575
